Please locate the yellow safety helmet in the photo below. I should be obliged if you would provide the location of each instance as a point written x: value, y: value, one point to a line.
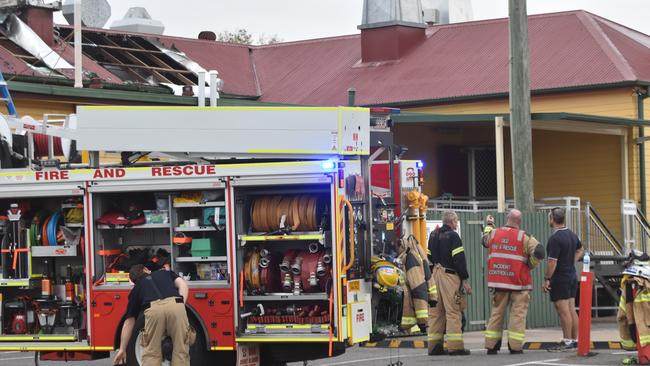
x: 386, y: 273
x: 74, y: 216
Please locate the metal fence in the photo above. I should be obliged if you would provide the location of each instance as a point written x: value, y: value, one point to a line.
x: 541, y: 312
x: 583, y: 219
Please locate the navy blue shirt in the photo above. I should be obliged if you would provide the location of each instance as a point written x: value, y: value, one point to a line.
x: 143, y: 292
x: 562, y: 247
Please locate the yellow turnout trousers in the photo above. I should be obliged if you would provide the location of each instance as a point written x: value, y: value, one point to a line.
x: 446, y: 317
x: 516, y: 302
x: 165, y: 317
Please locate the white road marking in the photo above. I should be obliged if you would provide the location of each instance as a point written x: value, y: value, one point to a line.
x: 389, y: 357
x: 373, y: 359
x: 533, y: 362
x: 624, y: 353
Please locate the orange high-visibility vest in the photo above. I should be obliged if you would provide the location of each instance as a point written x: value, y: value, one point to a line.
x: 507, y: 264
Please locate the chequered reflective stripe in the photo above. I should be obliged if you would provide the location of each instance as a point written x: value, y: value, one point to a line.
x: 493, y: 334
x: 434, y: 336
x: 533, y: 262
x: 628, y: 343
x: 408, y: 320
x: 642, y: 297
x: 516, y: 336
x: 515, y: 257
x: 644, y: 340
x: 455, y: 337
x: 621, y: 304
x: 457, y: 251
x: 421, y: 314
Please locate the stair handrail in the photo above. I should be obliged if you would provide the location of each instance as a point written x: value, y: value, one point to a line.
x: 602, y: 227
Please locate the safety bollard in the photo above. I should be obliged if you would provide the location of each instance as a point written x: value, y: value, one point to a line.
x: 584, y: 318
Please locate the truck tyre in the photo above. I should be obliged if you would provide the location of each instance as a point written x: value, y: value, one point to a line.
x: 198, y: 351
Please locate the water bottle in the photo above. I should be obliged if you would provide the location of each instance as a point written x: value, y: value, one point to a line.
x: 585, y: 262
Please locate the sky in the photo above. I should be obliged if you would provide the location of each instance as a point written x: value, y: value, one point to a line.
x: 294, y: 20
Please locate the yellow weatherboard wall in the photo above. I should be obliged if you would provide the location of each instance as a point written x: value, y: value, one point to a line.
x: 579, y: 164
x: 37, y: 108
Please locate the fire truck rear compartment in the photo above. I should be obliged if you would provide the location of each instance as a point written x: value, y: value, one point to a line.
x: 284, y: 261
x: 42, y: 277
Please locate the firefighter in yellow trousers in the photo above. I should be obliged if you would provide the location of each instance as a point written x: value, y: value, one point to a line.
x: 625, y: 318
x: 634, y: 309
x: 418, y: 292
x: 450, y: 282
x: 512, y: 254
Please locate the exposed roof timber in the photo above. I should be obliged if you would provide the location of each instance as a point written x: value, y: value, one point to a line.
x: 120, y: 48
x: 144, y: 66
x: 156, y: 60
x: 136, y: 57
x: 489, y: 118
x: 116, y: 62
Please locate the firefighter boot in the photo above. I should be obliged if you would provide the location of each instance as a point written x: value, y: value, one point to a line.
x: 494, y: 350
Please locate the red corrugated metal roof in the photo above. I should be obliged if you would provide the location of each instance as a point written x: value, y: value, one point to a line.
x: 568, y: 49
x: 231, y: 60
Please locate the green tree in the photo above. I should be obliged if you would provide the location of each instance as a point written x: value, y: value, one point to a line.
x: 242, y: 36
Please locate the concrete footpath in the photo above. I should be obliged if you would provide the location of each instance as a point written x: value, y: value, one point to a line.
x: 604, y: 332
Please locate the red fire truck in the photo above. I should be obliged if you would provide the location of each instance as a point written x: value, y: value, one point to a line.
x: 268, y: 213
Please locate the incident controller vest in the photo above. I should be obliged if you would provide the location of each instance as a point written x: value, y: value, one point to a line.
x: 507, y: 264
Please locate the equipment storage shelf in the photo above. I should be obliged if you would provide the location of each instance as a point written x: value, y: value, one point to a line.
x: 200, y: 237
x: 175, y: 229
x: 127, y: 233
x: 287, y: 296
x: 41, y: 270
x: 285, y: 250
x: 133, y: 227
x: 202, y: 259
x: 287, y: 328
x: 261, y: 237
x: 199, y: 204
x: 194, y: 228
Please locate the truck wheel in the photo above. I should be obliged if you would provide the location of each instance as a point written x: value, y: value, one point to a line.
x: 198, y: 351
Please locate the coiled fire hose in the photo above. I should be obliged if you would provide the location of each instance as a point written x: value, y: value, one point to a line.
x: 414, y: 205
x: 424, y: 204
x: 298, y: 271
x: 351, y: 234
x: 294, y: 213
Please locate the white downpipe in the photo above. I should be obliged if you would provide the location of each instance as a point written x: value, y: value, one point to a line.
x: 214, y: 94
x: 501, y: 184
x: 78, y: 81
x: 201, y: 88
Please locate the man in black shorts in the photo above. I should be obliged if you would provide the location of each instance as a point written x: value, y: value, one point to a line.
x: 563, y: 249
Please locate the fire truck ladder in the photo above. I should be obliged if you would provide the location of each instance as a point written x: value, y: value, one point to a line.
x: 5, y: 96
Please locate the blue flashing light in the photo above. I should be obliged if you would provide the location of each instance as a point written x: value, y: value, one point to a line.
x: 419, y: 164
x: 328, y: 165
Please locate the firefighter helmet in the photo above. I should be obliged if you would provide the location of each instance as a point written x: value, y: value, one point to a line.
x: 386, y: 273
x: 638, y: 270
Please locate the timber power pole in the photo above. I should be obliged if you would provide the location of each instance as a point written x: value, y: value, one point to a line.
x: 520, y: 125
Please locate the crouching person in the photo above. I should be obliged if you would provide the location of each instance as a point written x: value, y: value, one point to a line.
x: 161, y: 295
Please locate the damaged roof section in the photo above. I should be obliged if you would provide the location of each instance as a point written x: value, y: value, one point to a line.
x: 136, y: 59
x: 22, y: 43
